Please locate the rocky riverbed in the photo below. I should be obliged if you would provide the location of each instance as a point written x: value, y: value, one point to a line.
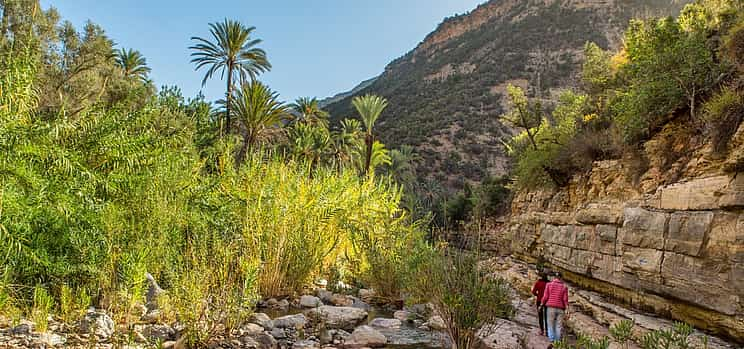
x: 327, y: 320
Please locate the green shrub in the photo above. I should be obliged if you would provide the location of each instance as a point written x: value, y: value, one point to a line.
x: 464, y: 294
x: 677, y: 337
x: 72, y: 304
x: 622, y: 332
x: 723, y: 113
x: 42, y: 308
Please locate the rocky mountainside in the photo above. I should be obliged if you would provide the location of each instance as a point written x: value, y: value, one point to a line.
x: 446, y: 94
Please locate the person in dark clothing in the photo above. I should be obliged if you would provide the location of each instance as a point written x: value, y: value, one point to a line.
x: 538, y: 290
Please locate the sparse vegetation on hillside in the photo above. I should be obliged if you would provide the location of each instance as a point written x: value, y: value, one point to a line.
x: 668, y: 68
x: 447, y: 99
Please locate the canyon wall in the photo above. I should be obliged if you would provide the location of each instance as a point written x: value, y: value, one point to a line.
x: 668, y: 240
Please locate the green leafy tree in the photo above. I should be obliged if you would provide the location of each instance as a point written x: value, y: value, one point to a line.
x: 233, y: 53
x: 258, y: 110
x: 542, y: 139
x: 525, y: 115
x: 669, y: 65
x: 369, y: 108
x: 132, y: 64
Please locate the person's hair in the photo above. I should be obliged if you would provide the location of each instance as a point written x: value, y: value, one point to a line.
x: 557, y: 274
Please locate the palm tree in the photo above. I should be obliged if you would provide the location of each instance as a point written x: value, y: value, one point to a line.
x: 132, y: 63
x: 258, y: 110
x: 308, y: 111
x: 233, y: 54
x: 310, y: 143
x: 369, y: 108
x: 378, y: 156
x: 402, y: 164
x: 345, y: 141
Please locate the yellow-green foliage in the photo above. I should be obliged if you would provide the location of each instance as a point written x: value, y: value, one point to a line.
x: 42, y: 307
x: 92, y: 202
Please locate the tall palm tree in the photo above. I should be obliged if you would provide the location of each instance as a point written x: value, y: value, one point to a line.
x: 233, y: 54
x: 369, y: 108
x: 258, y: 110
x: 132, y: 63
x: 308, y: 111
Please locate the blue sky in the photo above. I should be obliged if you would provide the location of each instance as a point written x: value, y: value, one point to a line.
x: 317, y: 47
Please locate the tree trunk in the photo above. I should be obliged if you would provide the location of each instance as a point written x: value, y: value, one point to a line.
x: 228, y: 98
x: 368, y: 161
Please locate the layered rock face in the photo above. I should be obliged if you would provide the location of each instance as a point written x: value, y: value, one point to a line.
x: 673, y: 244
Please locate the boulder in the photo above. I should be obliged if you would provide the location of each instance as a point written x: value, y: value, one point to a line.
x: 308, y: 301
x: 262, y: 320
x: 341, y: 300
x: 643, y: 228
x: 251, y: 329
x: 160, y: 333
x: 306, y: 344
x: 324, y: 295
x: 98, y: 324
x: 687, y: 231
x: 358, y: 303
x: 153, y: 291
x: 278, y: 333
x: 52, y: 339
x: 436, y: 323
x: 258, y: 341
x: 265, y: 340
x: 404, y: 315
x: 366, y: 336
x: 385, y: 323
x: 22, y: 329
x: 366, y: 295
x: 337, y: 317
x: 503, y: 335
x: 290, y: 321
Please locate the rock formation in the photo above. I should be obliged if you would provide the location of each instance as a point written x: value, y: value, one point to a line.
x: 670, y: 241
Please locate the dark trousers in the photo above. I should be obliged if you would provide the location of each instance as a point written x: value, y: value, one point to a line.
x: 542, y: 317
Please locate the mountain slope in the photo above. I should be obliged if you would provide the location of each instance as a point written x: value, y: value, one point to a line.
x: 446, y: 95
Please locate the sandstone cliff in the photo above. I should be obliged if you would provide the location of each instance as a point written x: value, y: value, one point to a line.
x: 667, y: 236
